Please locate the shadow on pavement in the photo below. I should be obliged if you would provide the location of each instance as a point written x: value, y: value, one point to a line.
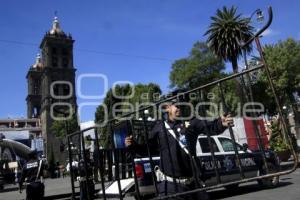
x: 11, y: 189
x: 243, y: 189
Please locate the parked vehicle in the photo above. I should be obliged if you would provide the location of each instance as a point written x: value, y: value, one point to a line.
x: 9, y: 173
x: 251, y: 161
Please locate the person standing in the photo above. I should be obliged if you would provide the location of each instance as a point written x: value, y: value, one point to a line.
x: 32, y: 174
x: 86, y: 182
x: 176, y: 141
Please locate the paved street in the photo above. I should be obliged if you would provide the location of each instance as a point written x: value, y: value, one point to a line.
x: 288, y: 190
x: 52, y: 187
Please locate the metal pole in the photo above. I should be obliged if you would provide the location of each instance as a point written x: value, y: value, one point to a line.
x: 85, y: 167
x: 254, y: 124
x: 100, y: 165
x: 208, y: 133
x: 280, y: 112
x: 71, y: 168
x: 117, y: 171
x: 236, y: 152
x: 149, y: 152
x: 133, y: 166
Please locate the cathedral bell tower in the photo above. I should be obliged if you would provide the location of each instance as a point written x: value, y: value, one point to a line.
x: 34, y: 89
x: 51, y: 85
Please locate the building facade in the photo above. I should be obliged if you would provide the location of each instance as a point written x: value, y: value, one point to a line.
x: 51, y: 86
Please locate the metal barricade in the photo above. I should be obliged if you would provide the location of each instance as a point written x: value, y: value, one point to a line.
x: 122, y: 160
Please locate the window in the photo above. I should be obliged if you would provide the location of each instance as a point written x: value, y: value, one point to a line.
x: 36, y: 87
x: 66, y: 90
x: 227, y: 145
x: 35, y: 112
x: 65, y: 62
x: 54, y: 51
x: 65, y: 51
x: 54, y: 61
x: 56, y: 90
x: 205, y: 146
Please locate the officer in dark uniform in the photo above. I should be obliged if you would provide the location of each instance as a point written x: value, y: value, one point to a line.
x: 32, y: 174
x: 175, y: 140
x: 87, y: 186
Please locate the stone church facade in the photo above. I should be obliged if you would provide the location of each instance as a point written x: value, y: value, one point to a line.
x: 51, y: 86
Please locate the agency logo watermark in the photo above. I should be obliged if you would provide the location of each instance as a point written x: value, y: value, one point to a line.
x: 62, y: 91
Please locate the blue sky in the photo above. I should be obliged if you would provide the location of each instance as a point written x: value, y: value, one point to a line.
x: 132, y: 40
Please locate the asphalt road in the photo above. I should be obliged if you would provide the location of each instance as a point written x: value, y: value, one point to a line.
x: 52, y: 187
x: 287, y: 190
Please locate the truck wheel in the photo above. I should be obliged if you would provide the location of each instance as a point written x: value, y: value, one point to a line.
x: 272, y: 181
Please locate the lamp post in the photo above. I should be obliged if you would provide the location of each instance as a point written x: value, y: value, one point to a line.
x: 268, y: 74
x: 243, y: 45
x: 259, y: 15
x: 259, y: 18
x: 248, y: 90
x: 267, y: 70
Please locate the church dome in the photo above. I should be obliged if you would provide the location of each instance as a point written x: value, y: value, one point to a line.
x: 56, y: 30
x: 38, y: 63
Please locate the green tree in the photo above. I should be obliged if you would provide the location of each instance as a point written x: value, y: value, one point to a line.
x: 283, y: 60
x: 230, y: 101
x: 202, y: 66
x: 225, y: 32
x: 199, y: 68
x: 142, y: 93
x: 59, y: 127
x: 101, y: 115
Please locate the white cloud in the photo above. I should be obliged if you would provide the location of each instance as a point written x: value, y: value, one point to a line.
x: 88, y: 124
x: 270, y: 32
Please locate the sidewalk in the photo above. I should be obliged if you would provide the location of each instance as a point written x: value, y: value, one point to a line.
x: 53, y: 187
x: 58, y: 188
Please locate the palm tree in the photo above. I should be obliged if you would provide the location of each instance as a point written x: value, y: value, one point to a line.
x: 224, y: 33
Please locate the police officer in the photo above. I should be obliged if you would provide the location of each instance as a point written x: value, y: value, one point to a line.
x: 172, y: 137
x: 87, y: 186
x: 45, y: 165
x: 32, y: 173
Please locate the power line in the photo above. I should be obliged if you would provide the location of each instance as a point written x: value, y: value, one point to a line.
x: 93, y: 51
x: 18, y: 42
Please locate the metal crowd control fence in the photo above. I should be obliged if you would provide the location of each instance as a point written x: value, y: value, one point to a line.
x: 118, y: 163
